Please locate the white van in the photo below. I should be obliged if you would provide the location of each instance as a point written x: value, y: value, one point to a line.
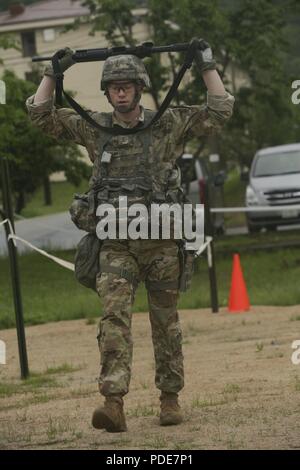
x: 274, y: 180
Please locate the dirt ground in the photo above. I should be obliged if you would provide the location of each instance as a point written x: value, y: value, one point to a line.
x: 241, y: 389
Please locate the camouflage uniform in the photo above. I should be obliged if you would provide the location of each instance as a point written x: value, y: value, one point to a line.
x: 153, y: 261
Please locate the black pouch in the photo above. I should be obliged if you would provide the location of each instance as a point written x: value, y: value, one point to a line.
x: 87, y: 263
x: 81, y: 215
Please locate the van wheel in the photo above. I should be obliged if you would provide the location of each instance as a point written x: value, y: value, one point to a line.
x: 271, y: 228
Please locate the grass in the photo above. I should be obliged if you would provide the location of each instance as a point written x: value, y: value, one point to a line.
x: 259, y: 347
x: 62, y: 196
x: 142, y: 410
x: 36, y: 381
x: 297, y: 383
x: 205, y: 403
x: 157, y: 442
x: 231, y: 388
x: 29, y: 385
x: 50, y: 293
x: 230, y: 244
x: 58, y: 427
x: 295, y: 318
x: 65, y: 368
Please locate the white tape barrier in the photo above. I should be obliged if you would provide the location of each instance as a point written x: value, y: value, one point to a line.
x: 61, y: 262
x: 7, y: 221
x: 203, y: 247
x: 68, y: 265
x: 295, y: 207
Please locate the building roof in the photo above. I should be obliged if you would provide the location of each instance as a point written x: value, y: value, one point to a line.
x: 45, y: 10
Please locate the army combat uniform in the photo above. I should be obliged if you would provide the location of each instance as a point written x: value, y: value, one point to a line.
x: 123, y: 263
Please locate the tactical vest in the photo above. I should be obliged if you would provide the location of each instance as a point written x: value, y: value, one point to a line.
x: 127, y: 166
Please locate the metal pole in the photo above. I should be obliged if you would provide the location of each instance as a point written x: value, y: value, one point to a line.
x: 209, y: 230
x: 14, y: 269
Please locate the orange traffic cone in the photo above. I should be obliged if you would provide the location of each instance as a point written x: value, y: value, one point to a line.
x: 238, y: 298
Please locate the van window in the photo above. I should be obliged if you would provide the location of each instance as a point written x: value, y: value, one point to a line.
x: 273, y: 164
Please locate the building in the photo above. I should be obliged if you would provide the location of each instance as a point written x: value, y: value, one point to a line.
x: 40, y: 30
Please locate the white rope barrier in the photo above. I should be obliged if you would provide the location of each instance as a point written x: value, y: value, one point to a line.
x: 70, y: 266
x: 14, y: 237
x: 7, y: 221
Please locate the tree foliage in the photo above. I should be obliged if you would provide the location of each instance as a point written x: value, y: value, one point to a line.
x: 247, y: 37
x: 32, y: 154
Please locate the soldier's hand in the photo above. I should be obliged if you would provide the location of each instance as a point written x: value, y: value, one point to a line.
x: 204, y: 57
x: 65, y: 62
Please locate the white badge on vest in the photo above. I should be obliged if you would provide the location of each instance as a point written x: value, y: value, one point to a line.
x: 106, y: 157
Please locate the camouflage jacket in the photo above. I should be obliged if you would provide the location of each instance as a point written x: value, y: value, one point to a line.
x: 169, y: 134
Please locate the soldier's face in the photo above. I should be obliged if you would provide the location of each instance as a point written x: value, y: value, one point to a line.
x: 123, y: 95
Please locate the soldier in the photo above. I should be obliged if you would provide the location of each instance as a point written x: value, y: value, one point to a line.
x: 138, y: 166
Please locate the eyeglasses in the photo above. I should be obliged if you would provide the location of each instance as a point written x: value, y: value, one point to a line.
x: 115, y: 89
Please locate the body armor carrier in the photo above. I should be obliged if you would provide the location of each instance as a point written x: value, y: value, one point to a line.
x: 127, y: 167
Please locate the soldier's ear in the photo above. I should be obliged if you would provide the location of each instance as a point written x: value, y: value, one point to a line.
x: 106, y: 93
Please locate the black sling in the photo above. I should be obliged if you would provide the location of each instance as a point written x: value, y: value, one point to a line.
x: 189, y: 57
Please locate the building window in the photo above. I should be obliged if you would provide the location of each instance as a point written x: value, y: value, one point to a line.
x: 28, y: 43
x: 49, y: 34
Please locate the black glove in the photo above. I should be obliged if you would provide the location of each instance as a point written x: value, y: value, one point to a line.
x: 204, y: 57
x: 65, y: 62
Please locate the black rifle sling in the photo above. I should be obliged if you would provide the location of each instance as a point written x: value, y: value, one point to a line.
x: 119, y: 130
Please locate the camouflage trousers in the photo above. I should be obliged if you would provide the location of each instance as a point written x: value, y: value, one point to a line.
x: 155, y: 262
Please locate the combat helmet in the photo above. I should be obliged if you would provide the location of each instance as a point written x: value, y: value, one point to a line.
x: 124, y: 67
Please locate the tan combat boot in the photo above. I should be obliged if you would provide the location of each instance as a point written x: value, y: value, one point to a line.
x: 110, y: 416
x: 170, y: 410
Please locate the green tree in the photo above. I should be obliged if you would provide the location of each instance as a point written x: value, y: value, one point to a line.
x: 33, y: 155
x: 246, y: 36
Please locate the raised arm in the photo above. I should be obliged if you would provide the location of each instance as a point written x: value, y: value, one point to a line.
x: 45, y: 90
x: 61, y: 123
x: 47, y: 86
x: 207, y: 67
